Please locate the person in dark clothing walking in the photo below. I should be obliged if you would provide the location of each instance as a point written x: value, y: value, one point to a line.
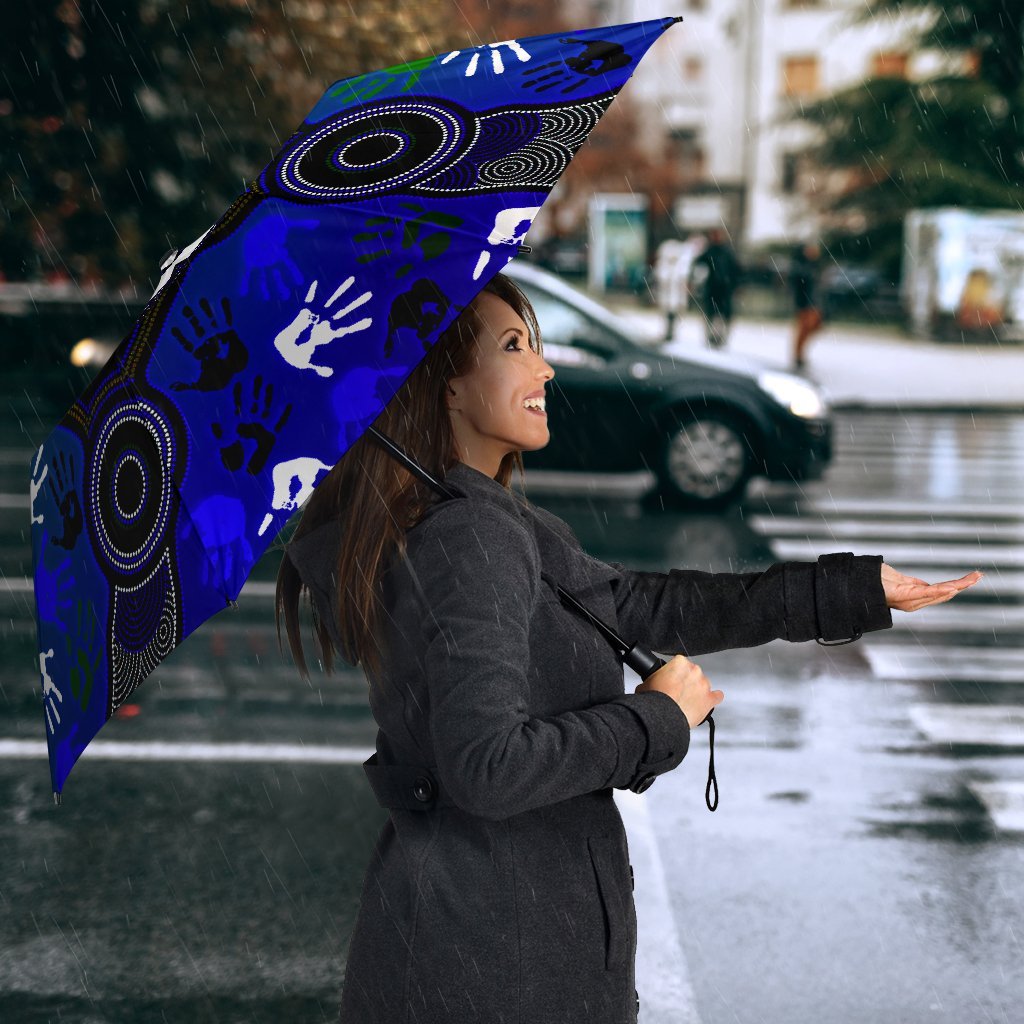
x: 721, y: 270
x: 500, y: 887
x: 803, y: 280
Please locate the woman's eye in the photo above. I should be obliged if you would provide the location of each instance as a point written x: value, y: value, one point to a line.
x: 513, y: 342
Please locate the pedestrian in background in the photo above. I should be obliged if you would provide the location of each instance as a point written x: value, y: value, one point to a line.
x: 500, y: 886
x: 803, y: 280
x: 671, y: 274
x: 721, y: 272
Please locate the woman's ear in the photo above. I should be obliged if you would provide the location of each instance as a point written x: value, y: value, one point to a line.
x: 451, y: 399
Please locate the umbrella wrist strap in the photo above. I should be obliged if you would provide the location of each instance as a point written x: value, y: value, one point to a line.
x: 712, y: 779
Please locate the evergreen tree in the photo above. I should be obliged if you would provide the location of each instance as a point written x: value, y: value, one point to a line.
x: 956, y: 138
x: 130, y: 126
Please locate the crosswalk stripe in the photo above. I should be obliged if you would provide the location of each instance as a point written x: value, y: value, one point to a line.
x: 1004, y: 802
x: 113, y: 750
x: 961, y: 618
x: 902, y: 507
x: 988, y: 725
x: 948, y: 663
x: 949, y: 529
x: 970, y: 556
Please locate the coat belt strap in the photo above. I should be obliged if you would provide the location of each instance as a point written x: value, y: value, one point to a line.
x: 406, y: 787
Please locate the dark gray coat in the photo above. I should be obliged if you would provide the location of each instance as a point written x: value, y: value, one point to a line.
x: 507, y: 898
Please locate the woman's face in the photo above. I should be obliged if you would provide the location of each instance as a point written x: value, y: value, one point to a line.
x: 488, y: 416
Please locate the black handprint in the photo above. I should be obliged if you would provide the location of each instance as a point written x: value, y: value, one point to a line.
x: 66, y: 498
x: 233, y: 454
x: 220, y: 356
x: 598, y: 58
x: 424, y: 306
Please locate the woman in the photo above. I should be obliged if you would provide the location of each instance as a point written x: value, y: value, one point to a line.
x: 803, y: 280
x: 500, y: 886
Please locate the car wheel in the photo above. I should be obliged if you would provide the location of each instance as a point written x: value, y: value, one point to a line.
x: 705, y: 461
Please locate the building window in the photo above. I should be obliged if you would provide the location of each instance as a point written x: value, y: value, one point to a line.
x: 889, y: 64
x: 800, y: 76
x: 693, y: 69
x: 688, y: 152
x: 790, y: 171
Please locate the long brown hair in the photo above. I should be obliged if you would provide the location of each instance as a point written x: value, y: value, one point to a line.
x: 369, y: 489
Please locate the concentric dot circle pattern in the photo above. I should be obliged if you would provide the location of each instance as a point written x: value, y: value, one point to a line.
x: 375, y: 149
x: 130, y: 489
x: 535, y: 165
x: 145, y: 629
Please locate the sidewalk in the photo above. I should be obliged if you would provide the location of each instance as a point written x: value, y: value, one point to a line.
x: 863, y: 365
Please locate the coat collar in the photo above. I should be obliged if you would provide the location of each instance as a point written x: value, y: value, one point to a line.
x: 474, y: 484
x: 562, y: 556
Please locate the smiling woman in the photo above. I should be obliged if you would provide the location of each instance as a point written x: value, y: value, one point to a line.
x: 500, y: 886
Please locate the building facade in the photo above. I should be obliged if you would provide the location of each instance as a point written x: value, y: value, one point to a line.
x: 723, y: 85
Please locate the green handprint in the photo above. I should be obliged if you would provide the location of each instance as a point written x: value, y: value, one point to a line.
x: 84, y: 671
x: 417, y: 231
x: 365, y: 87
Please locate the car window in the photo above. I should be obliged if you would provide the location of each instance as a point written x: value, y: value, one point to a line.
x: 564, y: 326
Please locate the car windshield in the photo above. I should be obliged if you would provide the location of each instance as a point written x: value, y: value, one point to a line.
x: 581, y: 324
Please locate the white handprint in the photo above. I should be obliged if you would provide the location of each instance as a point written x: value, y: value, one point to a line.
x: 301, y: 471
x: 510, y: 226
x: 50, y: 691
x: 179, y: 257
x: 496, y: 61
x: 35, y: 485
x: 309, y: 330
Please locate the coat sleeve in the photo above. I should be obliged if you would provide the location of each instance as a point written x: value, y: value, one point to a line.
x: 478, y: 574
x: 839, y: 597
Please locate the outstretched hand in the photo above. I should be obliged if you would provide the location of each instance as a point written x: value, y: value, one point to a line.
x: 908, y: 593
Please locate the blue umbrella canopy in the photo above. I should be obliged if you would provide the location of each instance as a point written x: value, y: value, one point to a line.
x: 276, y: 338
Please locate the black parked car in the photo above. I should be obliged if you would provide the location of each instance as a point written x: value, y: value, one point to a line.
x: 703, y: 423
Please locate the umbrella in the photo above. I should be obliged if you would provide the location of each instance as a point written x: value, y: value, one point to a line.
x: 276, y: 338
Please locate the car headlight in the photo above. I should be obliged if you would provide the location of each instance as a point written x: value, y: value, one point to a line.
x: 799, y: 397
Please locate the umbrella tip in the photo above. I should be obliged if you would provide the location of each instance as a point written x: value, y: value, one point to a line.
x: 56, y: 799
x: 525, y: 248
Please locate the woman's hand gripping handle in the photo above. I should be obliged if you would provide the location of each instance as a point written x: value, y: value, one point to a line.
x: 687, y: 685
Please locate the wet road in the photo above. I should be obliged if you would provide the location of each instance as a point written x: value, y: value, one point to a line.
x: 864, y: 863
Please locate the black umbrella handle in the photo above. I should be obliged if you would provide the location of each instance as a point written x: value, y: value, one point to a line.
x: 645, y: 663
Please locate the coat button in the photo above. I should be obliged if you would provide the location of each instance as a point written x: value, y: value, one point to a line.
x: 631, y: 885
x: 637, y: 994
x: 423, y: 789
x: 643, y: 783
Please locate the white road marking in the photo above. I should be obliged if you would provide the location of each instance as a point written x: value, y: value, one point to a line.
x: 662, y: 975
x: 971, y: 556
x: 970, y: 725
x: 950, y: 617
x: 828, y: 506
x: 1004, y: 802
x: 953, y: 664
x: 260, y: 753
x: 907, y: 529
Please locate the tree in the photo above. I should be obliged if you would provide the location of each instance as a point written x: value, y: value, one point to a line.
x: 131, y: 125
x: 895, y: 144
